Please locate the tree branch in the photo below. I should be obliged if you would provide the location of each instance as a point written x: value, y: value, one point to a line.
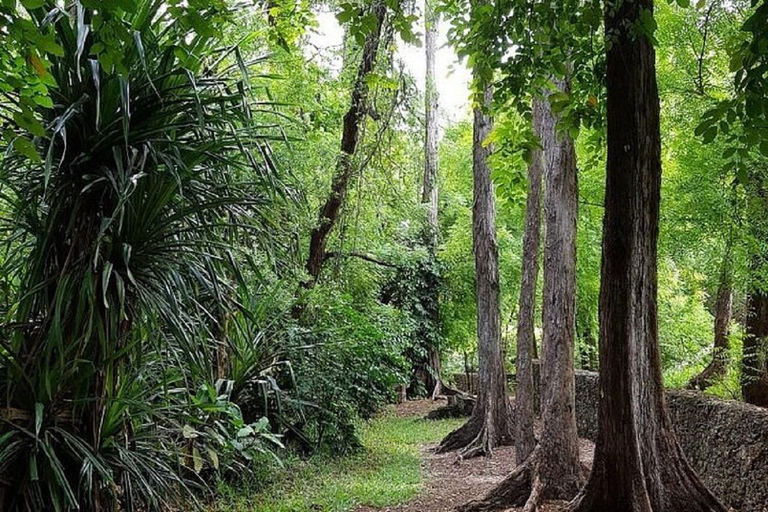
x: 361, y: 255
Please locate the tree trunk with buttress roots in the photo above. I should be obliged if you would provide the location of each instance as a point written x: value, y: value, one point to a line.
x: 491, y: 422
x: 639, y: 465
x: 552, y: 471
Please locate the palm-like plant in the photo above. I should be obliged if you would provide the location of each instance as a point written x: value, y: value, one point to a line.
x: 118, y: 258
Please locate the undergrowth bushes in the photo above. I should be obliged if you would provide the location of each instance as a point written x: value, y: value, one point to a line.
x: 315, y: 377
x: 147, y: 348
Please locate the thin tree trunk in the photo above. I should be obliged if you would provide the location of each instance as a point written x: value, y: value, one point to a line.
x: 491, y: 422
x: 525, y: 440
x: 559, y: 468
x: 587, y: 346
x: 434, y: 383
x: 345, y: 168
x: 223, y: 350
x: 553, y: 469
x: 717, y: 368
x: 638, y: 464
x: 429, y: 191
x: 754, y: 369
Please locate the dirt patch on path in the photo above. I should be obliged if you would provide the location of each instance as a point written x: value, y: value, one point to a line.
x: 449, y: 483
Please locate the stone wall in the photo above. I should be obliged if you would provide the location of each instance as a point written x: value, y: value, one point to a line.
x: 470, y: 385
x: 466, y: 382
x: 725, y: 441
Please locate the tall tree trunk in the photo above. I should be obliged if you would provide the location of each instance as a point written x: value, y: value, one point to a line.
x: 717, y: 368
x: 559, y: 468
x: 525, y: 440
x: 345, y: 168
x: 429, y: 190
x: 754, y: 369
x: 553, y: 469
x: 429, y: 194
x: 638, y: 464
x: 491, y: 422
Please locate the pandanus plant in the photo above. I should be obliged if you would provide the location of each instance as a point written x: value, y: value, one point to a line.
x: 120, y: 245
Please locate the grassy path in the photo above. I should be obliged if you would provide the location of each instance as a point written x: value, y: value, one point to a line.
x: 386, y: 473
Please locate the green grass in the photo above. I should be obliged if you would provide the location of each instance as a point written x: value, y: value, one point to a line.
x: 386, y: 472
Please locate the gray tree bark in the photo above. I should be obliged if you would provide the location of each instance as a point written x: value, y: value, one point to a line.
x: 525, y: 441
x: 553, y: 469
x: 430, y: 185
x: 559, y: 469
x: 429, y: 194
x: 491, y: 422
x: 638, y: 464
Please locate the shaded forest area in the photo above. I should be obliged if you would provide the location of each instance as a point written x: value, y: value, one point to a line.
x: 234, y: 231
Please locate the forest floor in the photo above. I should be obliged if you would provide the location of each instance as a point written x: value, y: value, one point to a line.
x: 396, y: 471
x: 449, y: 482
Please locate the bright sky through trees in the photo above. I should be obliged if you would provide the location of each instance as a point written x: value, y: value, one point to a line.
x: 453, y: 77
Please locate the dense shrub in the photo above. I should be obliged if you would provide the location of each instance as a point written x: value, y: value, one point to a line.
x: 341, y: 363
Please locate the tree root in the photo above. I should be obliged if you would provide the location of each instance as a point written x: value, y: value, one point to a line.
x: 533, y: 501
x: 513, y: 491
x: 458, y: 406
x: 714, y: 371
x: 522, y: 488
x: 480, y: 445
x: 473, y: 439
x: 460, y: 437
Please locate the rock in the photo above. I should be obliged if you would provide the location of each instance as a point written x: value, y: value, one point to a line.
x: 459, y: 405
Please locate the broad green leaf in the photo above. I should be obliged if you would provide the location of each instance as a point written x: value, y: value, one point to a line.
x: 25, y: 146
x: 29, y: 123
x: 32, y: 4
x: 43, y: 101
x: 709, y: 135
x: 197, y: 459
